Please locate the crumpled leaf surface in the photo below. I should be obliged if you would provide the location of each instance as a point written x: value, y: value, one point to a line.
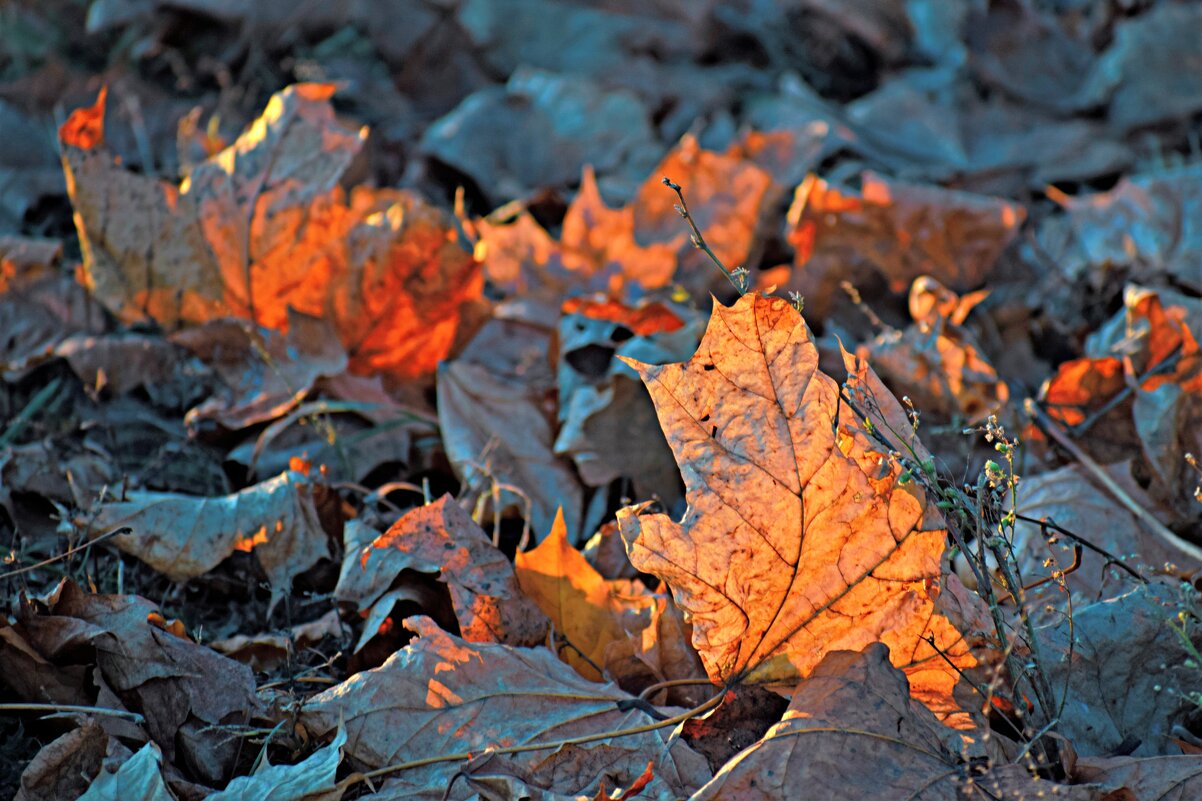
x: 1146, y: 225
x: 897, y: 230
x: 442, y: 539
x: 798, y: 540
x: 184, y: 536
x: 555, y: 125
x: 936, y: 361
x: 602, y: 404
x: 311, y: 779
x: 1152, y: 345
x: 263, y: 227
x: 588, y: 610
x: 496, y: 416
x: 138, y: 779
x: 852, y: 731
x: 1166, y: 778
x: 182, y: 689
x: 442, y: 695
x: 266, y: 373
x: 1124, y: 656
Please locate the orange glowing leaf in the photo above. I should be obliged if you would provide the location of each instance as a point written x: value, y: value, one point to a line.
x: 798, y: 540
x: 581, y: 604
x: 264, y: 226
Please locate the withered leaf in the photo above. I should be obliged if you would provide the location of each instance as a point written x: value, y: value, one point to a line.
x: 441, y: 695
x: 589, y: 611
x: 442, y: 539
x: 185, y: 536
x: 263, y: 226
x: 852, y: 731
x: 182, y: 689
x: 898, y: 230
x: 799, y: 539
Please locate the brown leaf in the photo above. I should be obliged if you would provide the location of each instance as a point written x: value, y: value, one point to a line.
x: 182, y: 689
x: 442, y: 539
x: 263, y: 227
x: 441, y: 695
x: 1124, y: 658
x: 497, y: 424
x: 60, y: 769
x: 589, y: 611
x: 1165, y: 778
x: 799, y: 540
x: 852, y: 731
x: 184, y: 536
x: 897, y: 230
x: 1141, y: 226
x: 662, y: 651
x: 935, y: 361
x: 266, y: 373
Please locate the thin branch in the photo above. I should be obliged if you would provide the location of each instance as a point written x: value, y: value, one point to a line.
x: 1160, y: 530
x: 738, y: 276
x: 67, y: 553
x: 67, y: 709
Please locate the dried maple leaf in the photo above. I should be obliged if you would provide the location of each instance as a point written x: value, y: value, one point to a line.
x: 441, y: 695
x: 585, y: 608
x: 263, y: 226
x: 442, y: 539
x: 799, y: 539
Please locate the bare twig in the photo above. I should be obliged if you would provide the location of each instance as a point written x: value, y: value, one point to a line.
x: 67, y: 553
x: 737, y: 276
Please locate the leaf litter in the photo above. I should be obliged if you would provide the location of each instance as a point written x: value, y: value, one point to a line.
x: 369, y: 428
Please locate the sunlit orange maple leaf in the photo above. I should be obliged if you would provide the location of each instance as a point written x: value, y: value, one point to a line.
x: 263, y: 226
x: 799, y: 539
x: 584, y: 607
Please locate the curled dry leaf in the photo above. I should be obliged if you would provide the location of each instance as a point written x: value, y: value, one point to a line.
x: 497, y: 424
x: 184, y: 691
x: 596, y: 252
x: 729, y: 198
x: 935, y: 361
x: 441, y: 695
x: 139, y: 778
x: 899, y: 231
x: 442, y: 539
x: 589, y: 611
x: 1142, y: 394
x: 799, y: 539
x: 184, y: 536
x: 266, y: 373
x: 263, y: 226
x: 851, y: 731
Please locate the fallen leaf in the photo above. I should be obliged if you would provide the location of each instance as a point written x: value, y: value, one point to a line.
x: 1165, y: 778
x: 936, y: 362
x: 441, y: 695
x: 62, y: 766
x: 441, y: 539
x: 1114, y: 673
x: 729, y: 199
x: 266, y: 652
x: 138, y: 779
x: 262, y: 227
x: 276, y: 520
x: 311, y: 779
x: 798, y: 540
x: 266, y: 373
x: 583, y: 607
x: 897, y: 230
x: 852, y: 731
x: 496, y: 418
x: 555, y: 125
x: 185, y: 691
x: 1141, y: 229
